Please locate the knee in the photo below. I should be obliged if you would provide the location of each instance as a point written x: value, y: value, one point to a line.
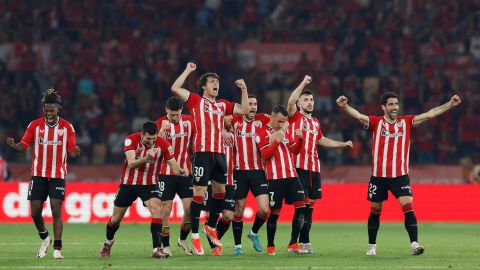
x: 36, y: 214
x: 263, y: 211
x: 239, y: 209
x: 166, y: 209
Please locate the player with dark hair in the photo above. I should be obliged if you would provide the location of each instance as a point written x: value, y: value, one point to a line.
x: 53, y: 138
x: 390, y: 158
x: 143, y: 153
x: 300, y: 109
x: 208, y: 147
x: 277, y: 147
x: 249, y: 174
x: 176, y: 128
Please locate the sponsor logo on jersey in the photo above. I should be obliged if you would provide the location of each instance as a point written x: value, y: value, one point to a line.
x: 386, y: 133
x: 46, y: 142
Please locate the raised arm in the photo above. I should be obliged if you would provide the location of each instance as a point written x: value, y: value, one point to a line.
x: 177, y: 89
x: 342, y: 102
x: 292, y: 100
x: 163, y: 128
x: 419, y: 119
x: 326, y: 142
x: 242, y: 108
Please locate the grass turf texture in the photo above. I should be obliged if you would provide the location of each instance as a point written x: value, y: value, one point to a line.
x: 337, y: 246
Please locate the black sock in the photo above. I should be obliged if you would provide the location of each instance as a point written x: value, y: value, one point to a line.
x: 156, y: 230
x: 212, y: 245
x: 195, y: 210
x: 297, y: 224
x: 307, y: 225
x: 216, y: 207
x: 411, y: 226
x: 258, y: 223
x: 237, y: 228
x: 373, y: 225
x: 57, y: 244
x: 111, y: 230
x: 166, y: 236
x: 185, y: 230
x: 43, y: 235
x: 222, y: 227
x: 271, y: 228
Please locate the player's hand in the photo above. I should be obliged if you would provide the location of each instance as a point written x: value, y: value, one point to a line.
x: 307, y: 80
x: 285, y: 127
x: 149, y: 156
x: 191, y: 67
x: 299, y: 133
x: 342, y: 101
x: 240, y: 83
x: 348, y: 144
x: 165, y: 125
x: 10, y: 141
x: 76, y: 152
x: 184, y: 172
x: 227, y: 138
x: 455, y: 100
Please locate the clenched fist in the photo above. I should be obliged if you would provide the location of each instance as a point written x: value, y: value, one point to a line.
x: 240, y: 83
x: 342, y: 101
x: 191, y: 67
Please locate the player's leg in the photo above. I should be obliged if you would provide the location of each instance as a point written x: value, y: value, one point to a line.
x: 228, y: 211
x: 154, y: 206
x: 37, y: 194
x: 185, y: 226
x: 56, y: 192
x: 125, y: 196
x: 377, y: 193
x: 295, y: 195
x: 241, y: 192
x: 313, y: 191
x: 167, y: 185
x: 276, y: 192
x: 402, y: 191
x: 259, y: 187
x: 202, y: 166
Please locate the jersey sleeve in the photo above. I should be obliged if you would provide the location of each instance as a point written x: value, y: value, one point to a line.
x: 294, y: 118
x: 29, y: 135
x: 129, y: 144
x: 263, y: 118
x: 409, y: 121
x: 72, y: 138
x: 261, y: 139
x: 319, y: 130
x: 229, y: 106
x: 373, y: 122
x: 166, y: 148
x: 193, y: 100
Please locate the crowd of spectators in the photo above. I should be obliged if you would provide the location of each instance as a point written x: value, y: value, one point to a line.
x: 114, y: 62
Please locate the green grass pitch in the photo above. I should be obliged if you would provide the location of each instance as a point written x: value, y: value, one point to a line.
x: 337, y: 245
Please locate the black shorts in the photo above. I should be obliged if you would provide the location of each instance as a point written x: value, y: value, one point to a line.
x: 311, y: 182
x: 228, y: 203
x: 209, y: 166
x: 379, y: 186
x: 127, y: 194
x: 253, y: 180
x: 42, y: 187
x: 170, y: 185
x: 288, y: 188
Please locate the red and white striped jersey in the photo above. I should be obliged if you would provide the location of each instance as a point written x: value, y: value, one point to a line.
x: 208, y: 118
x: 229, y: 157
x: 147, y: 173
x: 247, y: 155
x: 178, y: 135
x: 281, y: 165
x: 52, y: 144
x: 307, y: 159
x: 390, y: 146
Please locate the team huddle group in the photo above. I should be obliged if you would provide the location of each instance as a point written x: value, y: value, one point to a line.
x: 213, y: 157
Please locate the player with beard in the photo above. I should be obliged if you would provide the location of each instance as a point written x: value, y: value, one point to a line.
x: 53, y: 138
x: 300, y: 109
x: 390, y: 158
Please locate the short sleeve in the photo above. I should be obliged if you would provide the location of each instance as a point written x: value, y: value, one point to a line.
x: 29, y: 135
x: 262, y: 139
x: 166, y: 148
x: 409, y: 120
x: 72, y: 138
x: 129, y: 144
x: 373, y: 122
x: 193, y: 100
x: 263, y: 118
x: 319, y: 130
x: 295, y: 117
x: 237, y: 118
x: 229, y: 106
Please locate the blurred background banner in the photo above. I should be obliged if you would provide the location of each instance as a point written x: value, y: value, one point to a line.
x: 90, y: 202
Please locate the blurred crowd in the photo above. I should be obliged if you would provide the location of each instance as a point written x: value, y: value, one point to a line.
x: 114, y: 62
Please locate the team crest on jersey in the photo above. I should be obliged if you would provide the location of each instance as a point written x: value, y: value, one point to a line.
x: 399, y: 124
x: 257, y: 123
x: 185, y: 124
x: 42, y: 130
x: 128, y: 142
x: 272, y: 203
x: 60, y: 132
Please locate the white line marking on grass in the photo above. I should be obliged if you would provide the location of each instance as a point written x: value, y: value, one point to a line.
x: 220, y: 268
